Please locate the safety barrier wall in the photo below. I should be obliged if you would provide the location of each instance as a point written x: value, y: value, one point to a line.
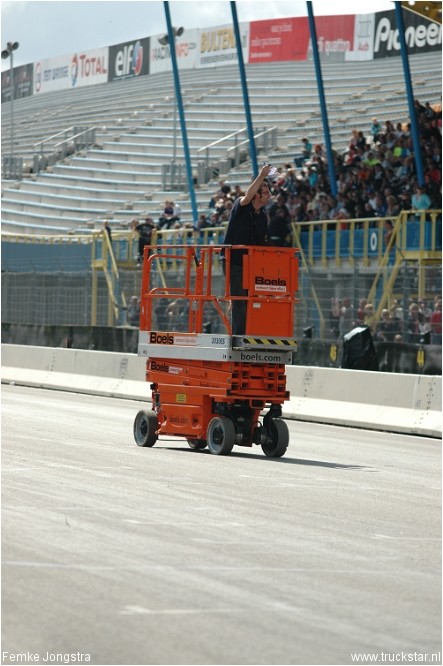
x: 402, y: 403
x: 408, y: 404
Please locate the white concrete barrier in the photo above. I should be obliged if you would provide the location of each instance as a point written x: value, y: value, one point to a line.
x: 380, y: 401
x: 77, y: 370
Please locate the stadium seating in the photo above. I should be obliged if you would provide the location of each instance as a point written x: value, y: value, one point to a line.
x: 120, y: 176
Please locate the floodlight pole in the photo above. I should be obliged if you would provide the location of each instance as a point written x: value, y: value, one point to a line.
x: 415, y: 130
x: 163, y: 41
x: 321, y: 95
x: 244, y: 85
x: 8, y: 53
x: 178, y: 96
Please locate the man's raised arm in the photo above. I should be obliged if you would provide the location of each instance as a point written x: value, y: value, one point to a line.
x: 255, y: 185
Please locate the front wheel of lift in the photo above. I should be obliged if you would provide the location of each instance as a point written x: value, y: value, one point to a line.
x: 197, y: 444
x: 145, y: 426
x: 278, y: 439
x: 221, y: 436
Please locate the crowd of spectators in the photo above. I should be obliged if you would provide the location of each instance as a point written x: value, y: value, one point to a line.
x: 376, y: 175
x: 417, y: 323
x: 376, y: 178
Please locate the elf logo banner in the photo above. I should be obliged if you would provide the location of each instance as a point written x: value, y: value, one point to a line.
x: 129, y: 59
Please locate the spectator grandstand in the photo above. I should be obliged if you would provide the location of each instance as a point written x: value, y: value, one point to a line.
x: 133, y: 127
x: 103, y: 153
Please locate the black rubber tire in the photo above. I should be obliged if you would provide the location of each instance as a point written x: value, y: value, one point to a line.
x: 220, y: 436
x: 197, y: 444
x: 145, y: 426
x: 279, y: 433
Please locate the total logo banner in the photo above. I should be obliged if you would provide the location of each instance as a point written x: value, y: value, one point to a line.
x: 71, y: 71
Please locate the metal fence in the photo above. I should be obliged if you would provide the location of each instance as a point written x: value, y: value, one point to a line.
x: 83, y: 281
x: 12, y: 168
x: 65, y: 298
x: 55, y: 148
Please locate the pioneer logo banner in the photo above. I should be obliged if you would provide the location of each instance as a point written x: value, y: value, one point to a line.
x: 421, y: 35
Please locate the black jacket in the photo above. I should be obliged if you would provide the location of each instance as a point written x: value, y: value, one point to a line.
x: 246, y: 226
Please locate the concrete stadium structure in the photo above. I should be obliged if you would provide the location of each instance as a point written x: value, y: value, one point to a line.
x: 120, y: 175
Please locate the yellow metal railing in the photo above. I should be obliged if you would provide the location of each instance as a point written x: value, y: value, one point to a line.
x: 363, y: 240
x: 313, y: 290
x: 103, y: 259
x: 337, y: 241
x: 416, y: 236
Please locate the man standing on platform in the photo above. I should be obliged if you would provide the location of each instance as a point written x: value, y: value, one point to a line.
x: 248, y: 225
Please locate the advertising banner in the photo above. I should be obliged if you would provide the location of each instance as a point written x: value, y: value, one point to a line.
x: 421, y: 35
x: 335, y: 36
x: 216, y: 46
x: 289, y: 39
x: 52, y: 74
x: 23, y: 82
x: 71, y: 71
x: 129, y: 59
x: 278, y: 40
x: 363, y: 38
x: 186, y: 47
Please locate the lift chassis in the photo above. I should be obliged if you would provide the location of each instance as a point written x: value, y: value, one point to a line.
x: 213, y: 388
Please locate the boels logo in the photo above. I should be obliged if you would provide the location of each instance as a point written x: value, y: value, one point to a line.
x: 159, y: 367
x: 160, y: 338
x: 269, y: 284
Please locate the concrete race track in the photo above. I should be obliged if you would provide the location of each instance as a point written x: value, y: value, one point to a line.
x: 172, y: 556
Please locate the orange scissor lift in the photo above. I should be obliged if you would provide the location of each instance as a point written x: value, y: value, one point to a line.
x: 208, y: 385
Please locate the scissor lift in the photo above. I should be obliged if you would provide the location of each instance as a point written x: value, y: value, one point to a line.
x: 207, y: 385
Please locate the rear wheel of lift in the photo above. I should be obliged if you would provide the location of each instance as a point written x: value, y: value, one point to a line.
x: 197, y: 444
x: 278, y: 439
x: 221, y: 435
x: 145, y: 426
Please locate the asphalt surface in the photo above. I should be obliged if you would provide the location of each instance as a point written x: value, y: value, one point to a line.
x: 172, y: 556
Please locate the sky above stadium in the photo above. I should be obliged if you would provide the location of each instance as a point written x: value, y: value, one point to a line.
x: 47, y: 29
